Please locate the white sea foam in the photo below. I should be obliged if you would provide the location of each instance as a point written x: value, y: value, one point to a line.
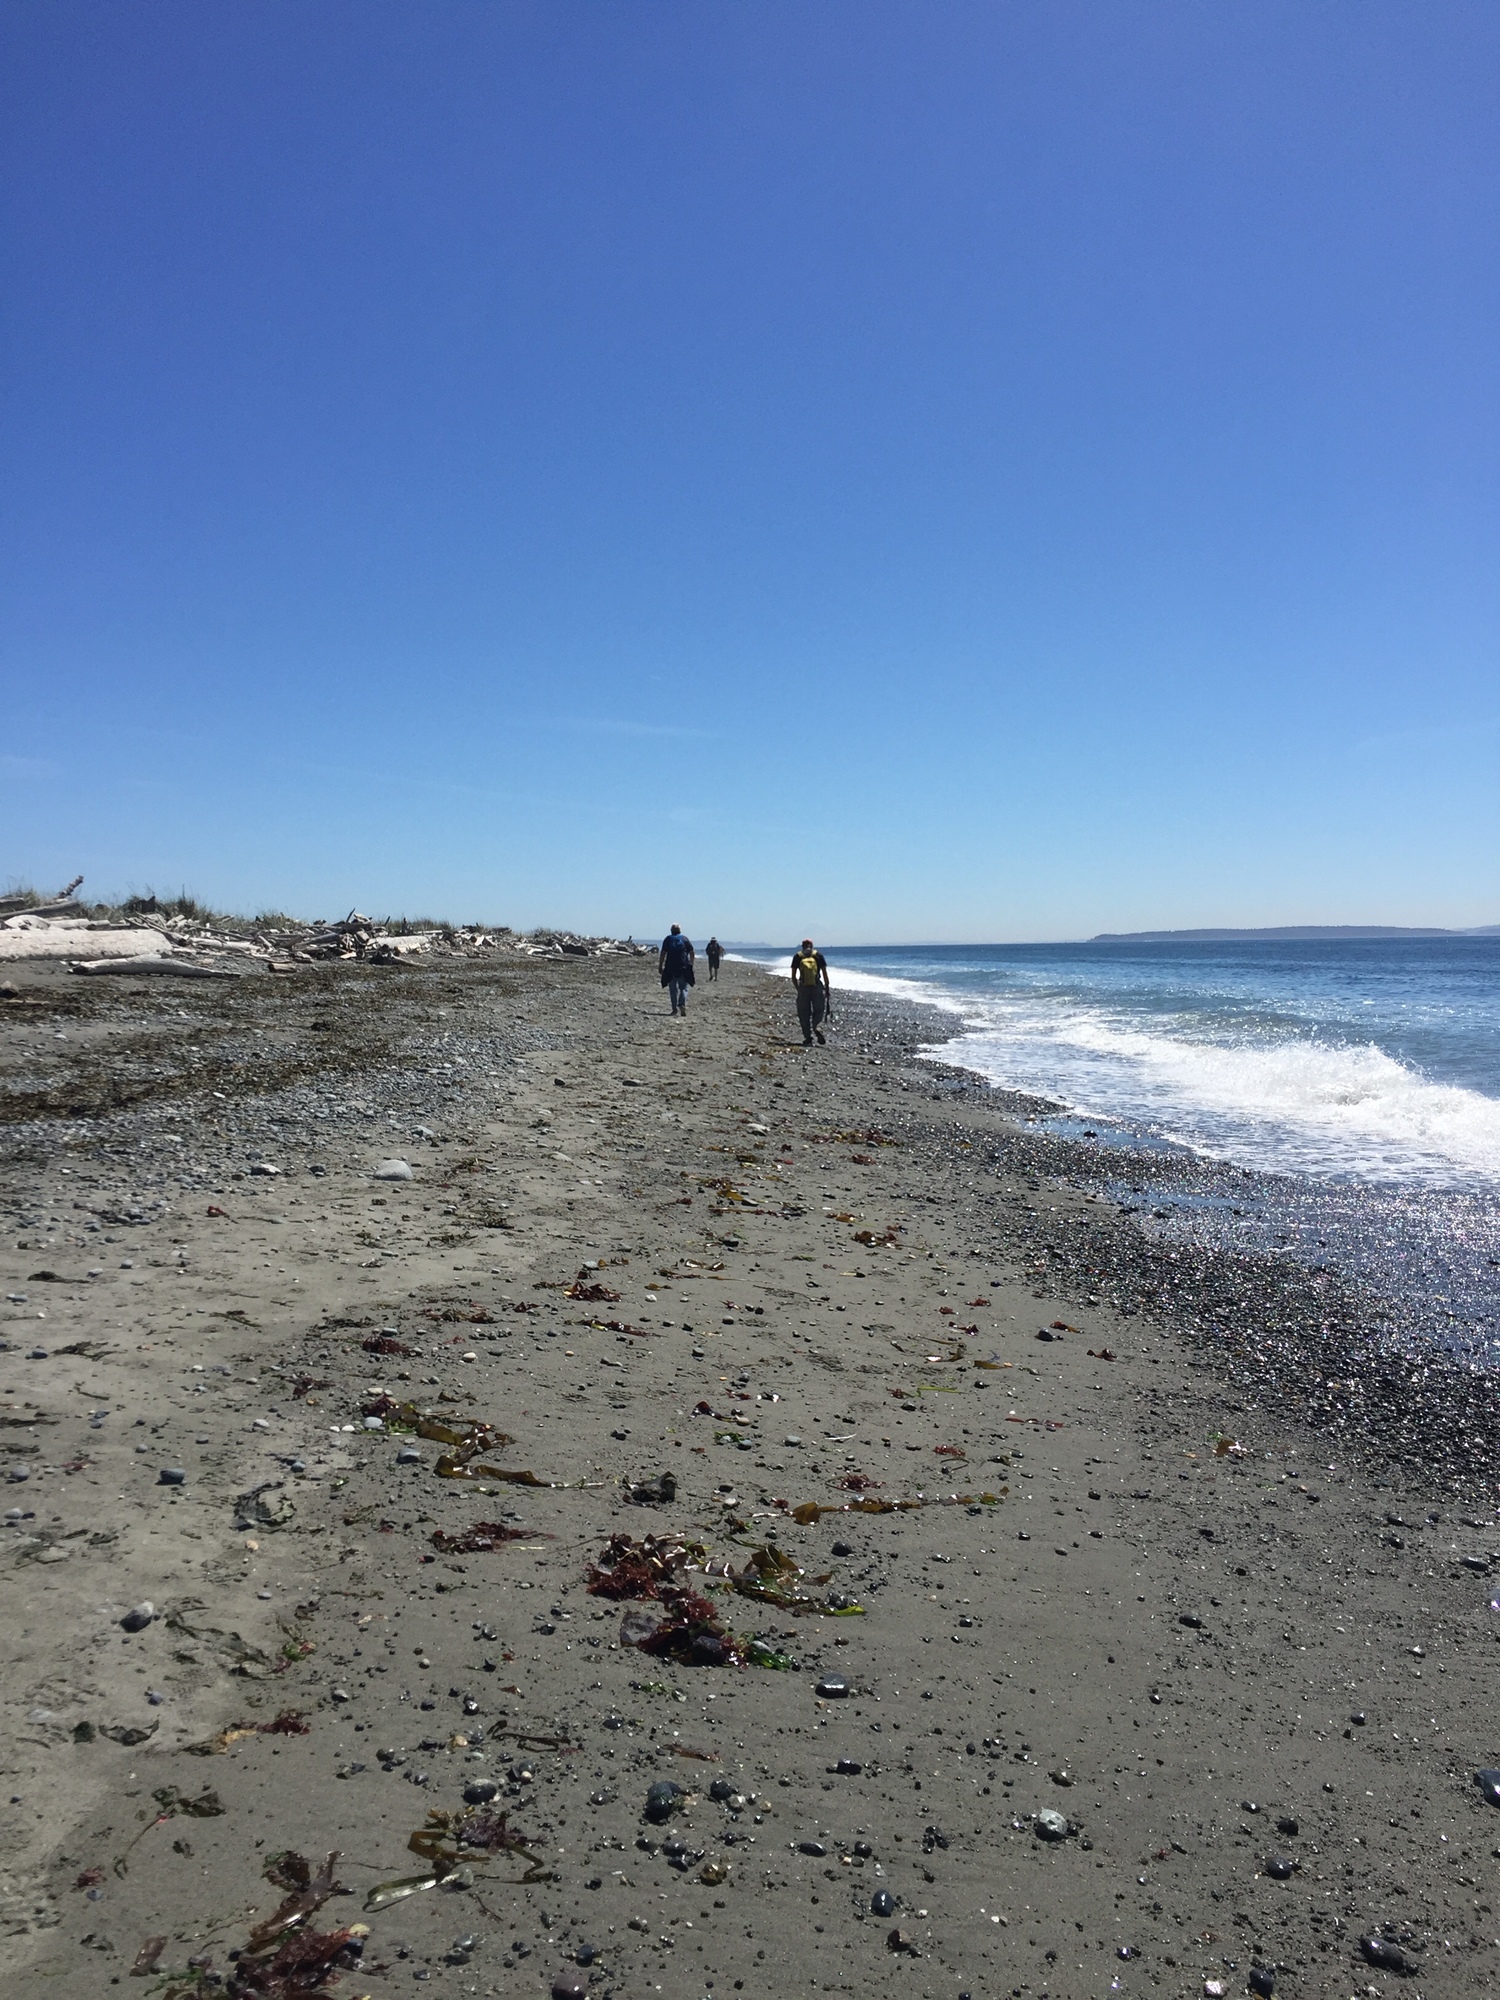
x: 1294, y: 1104
x: 841, y: 978
x: 1288, y: 1102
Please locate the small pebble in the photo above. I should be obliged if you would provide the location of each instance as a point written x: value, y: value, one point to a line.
x: 139, y: 1618
x: 1379, y: 1951
x: 171, y: 1475
x: 833, y: 1687
x: 393, y: 1170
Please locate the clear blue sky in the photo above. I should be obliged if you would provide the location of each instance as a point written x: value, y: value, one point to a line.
x: 899, y: 471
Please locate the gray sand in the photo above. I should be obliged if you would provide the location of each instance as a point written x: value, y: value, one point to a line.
x: 1160, y: 1640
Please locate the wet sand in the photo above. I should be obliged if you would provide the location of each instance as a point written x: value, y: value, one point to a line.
x: 1168, y: 1587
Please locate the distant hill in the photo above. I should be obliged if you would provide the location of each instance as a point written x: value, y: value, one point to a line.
x: 1292, y: 933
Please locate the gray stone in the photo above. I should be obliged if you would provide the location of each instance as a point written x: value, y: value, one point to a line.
x: 1051, y: 1825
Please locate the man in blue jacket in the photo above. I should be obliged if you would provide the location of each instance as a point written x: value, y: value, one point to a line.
x: 675, y: 964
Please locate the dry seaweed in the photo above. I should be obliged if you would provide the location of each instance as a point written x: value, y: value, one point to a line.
x: 692, y: 1633
x: 309, y: 1893
x: 170, y: 1803
x: 772, y: 1577
x: 814, y: 1510
x: 482, y: 1537
x: 290, y: 1722
x: 450, y: 1839
x: 281, y: 1960
x: 636, y: 1569
x: 304, y: 1965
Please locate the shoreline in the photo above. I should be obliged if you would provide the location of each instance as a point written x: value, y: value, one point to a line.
x: 1416, y: 1326
x: 1174, y: 1627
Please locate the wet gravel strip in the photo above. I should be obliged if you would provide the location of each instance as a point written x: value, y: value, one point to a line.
x: 1312, y: 1346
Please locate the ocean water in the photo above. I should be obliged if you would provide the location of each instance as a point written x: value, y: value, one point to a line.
x: 1361, y: 1076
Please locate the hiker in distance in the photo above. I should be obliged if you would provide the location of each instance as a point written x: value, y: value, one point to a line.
x: 810, y: 980
x: 713, y: 951
x: 675, y: 963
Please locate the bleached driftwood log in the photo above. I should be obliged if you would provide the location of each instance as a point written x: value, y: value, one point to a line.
x: 176, y: 968
x: 45, y: 940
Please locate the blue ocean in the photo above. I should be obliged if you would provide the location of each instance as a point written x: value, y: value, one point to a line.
x: 1360, y: 1076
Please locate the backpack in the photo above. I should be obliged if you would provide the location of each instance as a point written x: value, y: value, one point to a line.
x: 676, y: 956
x: 806, y: 967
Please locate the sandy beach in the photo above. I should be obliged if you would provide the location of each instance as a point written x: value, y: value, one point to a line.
x: 1139, y: 1564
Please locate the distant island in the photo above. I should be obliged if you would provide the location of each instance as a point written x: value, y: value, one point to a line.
x: 1292, y: 932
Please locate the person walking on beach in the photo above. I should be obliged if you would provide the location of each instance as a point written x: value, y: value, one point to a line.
x: 715, y: 952
x: 675, y: 963
x: 810, y: 980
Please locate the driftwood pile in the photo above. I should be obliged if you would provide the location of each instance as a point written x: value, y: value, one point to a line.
x: 153, y: 940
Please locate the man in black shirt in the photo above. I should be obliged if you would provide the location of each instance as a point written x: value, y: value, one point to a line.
x: 675, y: 964
x: 810, y: 980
